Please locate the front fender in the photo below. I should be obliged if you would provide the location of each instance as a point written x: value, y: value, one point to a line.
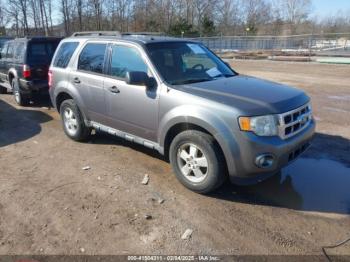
x: 207, y: 120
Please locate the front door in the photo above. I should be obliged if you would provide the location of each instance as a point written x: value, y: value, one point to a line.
x: 131, y: 108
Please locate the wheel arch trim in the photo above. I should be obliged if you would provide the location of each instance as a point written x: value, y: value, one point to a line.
x: 214, y: 126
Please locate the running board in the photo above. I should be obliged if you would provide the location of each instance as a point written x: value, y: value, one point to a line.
x: 126, y: 136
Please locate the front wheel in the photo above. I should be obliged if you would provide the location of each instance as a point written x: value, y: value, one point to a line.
x: 73, y: 121
x: 197, y: 161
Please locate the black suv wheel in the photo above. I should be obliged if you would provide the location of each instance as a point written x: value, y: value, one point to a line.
x: 3, y: 90
x: 20, y: 98
x: 73, y: 121
x: 197, y: 161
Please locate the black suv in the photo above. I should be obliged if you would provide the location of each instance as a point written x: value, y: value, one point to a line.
x: 24, y: 64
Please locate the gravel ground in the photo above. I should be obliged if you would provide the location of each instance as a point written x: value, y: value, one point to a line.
x: 50, y: 205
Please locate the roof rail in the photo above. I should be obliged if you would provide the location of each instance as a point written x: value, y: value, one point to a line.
x: 97, y: 33
x: 144, y: 33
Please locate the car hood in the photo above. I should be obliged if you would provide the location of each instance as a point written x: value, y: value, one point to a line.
x: 249, y: 95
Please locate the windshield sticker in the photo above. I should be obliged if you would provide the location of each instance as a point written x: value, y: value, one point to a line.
x: 197, y: 49
x: 213, y: 72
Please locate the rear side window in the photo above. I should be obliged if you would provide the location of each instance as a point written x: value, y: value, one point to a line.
x: 92, y: 58
x: 4, y: 51
x: 10, y: 51
x: 19, y: 51
x: 3, y: 41
x: 41, y: 52
x: 64, y: 54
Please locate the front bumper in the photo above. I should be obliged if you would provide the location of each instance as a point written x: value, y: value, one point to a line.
x: 283, y: 151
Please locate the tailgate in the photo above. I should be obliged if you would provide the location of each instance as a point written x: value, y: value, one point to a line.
x: 39, y: 72
x: 39, y: 57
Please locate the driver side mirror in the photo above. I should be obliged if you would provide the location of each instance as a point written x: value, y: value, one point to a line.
x: 141, y: 79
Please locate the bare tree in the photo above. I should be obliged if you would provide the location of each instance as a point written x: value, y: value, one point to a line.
x: 295, y: 12
x: 4, y: 17
x: 256, y: 13
x: 96, y: 6
x: 44, y: 20
x: 65, y: 10
x: 195, y: 17
x: 229, y: 16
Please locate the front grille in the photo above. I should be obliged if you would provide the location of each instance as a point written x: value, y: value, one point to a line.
x: 293, y: 122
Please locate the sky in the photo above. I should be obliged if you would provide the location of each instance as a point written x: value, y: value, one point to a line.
x: 323, y: 8
x: 320, y: 8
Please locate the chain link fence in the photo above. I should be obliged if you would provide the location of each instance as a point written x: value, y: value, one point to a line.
x: 330, y: 44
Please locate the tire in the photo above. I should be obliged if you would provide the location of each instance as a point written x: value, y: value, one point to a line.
x: 199, y: 178
x: 20, y: 98
x: 3, y: 90
x: 73, y: 121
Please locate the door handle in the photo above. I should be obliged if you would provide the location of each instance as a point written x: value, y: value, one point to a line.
x: 114, y: 89
x: 76, y: 80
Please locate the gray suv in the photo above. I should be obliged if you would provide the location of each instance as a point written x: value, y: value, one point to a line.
x: 179, y: 98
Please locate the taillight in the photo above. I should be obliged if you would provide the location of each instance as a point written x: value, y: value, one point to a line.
x: 50, y: 78
x: 26, y: 71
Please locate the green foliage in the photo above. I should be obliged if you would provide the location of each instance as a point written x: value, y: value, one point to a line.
x: 152, y: 25
x: 208, y: 27
x: 181, y: 26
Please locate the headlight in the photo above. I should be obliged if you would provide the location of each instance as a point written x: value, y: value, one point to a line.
x: 260, y: 125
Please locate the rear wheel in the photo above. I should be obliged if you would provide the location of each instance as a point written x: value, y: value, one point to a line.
x: 3, y: 90
x: 197, y: 161
x: 73, y: 121
x: 20, y: 98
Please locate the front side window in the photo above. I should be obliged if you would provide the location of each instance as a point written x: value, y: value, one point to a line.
x: 64, y: 54
x: 126, y: 59
x: 186, y: 62
x: 92, y: 57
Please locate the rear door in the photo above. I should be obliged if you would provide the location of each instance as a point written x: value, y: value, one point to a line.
x: 39, y: 56
x: 89, y: 78
x: 3, y: 62
x: 7, y: 62
x: 17, y: 61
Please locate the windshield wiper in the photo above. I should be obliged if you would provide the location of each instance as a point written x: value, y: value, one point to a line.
x: 190, y: 81
x: 229, y: 75
x: 223, y: 75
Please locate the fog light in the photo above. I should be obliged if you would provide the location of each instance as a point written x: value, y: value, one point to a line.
x: 264, y: 161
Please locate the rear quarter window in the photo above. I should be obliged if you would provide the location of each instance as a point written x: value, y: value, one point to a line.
x: 64, y: 54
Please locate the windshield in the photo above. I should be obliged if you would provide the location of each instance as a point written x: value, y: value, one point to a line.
x: 186, y: 62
